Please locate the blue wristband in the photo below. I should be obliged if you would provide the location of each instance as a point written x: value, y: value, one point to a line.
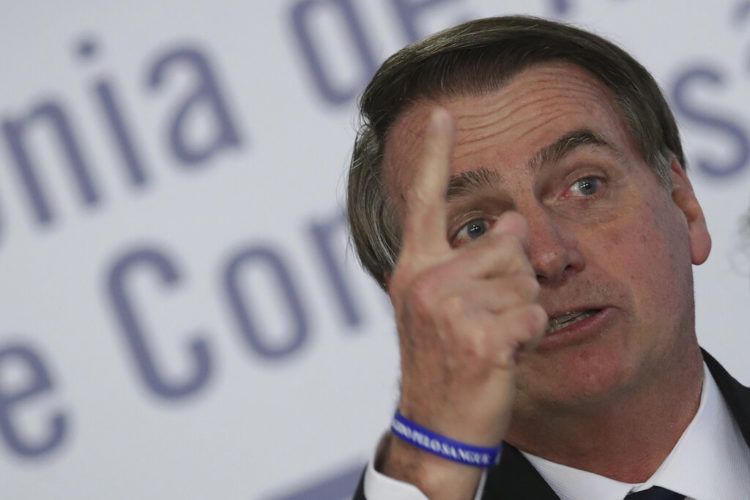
x: 445, y: 447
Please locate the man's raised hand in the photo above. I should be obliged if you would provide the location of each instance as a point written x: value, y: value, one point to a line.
x: 462, y: 315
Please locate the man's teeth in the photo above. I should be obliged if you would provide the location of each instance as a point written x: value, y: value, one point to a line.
x: 560, y: 322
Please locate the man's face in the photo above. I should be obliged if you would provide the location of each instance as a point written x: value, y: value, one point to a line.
x: 609, y: 243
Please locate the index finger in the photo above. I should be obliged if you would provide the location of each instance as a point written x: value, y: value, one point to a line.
x: 425, y: 229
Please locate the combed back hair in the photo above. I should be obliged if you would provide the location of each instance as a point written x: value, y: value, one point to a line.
x: 475, y: 58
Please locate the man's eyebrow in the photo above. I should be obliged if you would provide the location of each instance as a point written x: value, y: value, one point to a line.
x: 471, y: 181
x: 565, y: 145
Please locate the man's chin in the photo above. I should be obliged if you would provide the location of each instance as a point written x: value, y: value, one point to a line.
x: 577, y: 379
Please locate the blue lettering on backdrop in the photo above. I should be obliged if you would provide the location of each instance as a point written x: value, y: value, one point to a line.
x: 38, y: 383
x: 560, y: 7
x: 243, y: 312
x: 308, y: 37
x: 726, y: 125
x: 205, y: 102
x: 338, y: 484
x: 303, y: 16
x: 159, y: 264
x: 304, y: 28
x: 741, y: 12
x: 51, y: 113
x: 327, y: 236
x: 409, y: 12
x: 207, y: 96
x: 104, y: 90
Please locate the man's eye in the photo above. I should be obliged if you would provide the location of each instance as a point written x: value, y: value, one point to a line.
x: 470, y: 231
x: 587, y: 186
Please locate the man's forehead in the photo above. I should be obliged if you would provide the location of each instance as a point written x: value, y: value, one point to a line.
x: 535, y: 107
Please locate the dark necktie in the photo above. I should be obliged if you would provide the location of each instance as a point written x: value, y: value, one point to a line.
x: 655, y: 493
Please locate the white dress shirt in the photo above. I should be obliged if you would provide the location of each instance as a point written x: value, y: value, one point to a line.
x: 710, y: 461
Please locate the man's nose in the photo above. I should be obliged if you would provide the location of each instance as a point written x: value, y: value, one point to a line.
x: 553, y: 248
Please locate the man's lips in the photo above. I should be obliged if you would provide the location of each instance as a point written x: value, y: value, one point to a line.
x: 558, y: 321
x: 573, y: 326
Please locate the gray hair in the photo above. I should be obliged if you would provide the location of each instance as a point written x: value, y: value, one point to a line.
x: 474, y: 58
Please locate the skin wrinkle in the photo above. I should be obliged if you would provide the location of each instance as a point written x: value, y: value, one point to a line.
x: 551, y: 85
x: 480, y: 178
x: 566, y: 145
x: 572, y: 403
x: 477, y: 187
x: 499, y: 117
x: 560, y: 115
x: 476, y: 180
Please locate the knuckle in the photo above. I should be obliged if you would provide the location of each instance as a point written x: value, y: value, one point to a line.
x: 405, y: 274
x: 421, y: 287
x: 511, y: 250
x: 528, y: 287
x: 512, y: 243
x: 420, y: 199
x: 421, y: 294
x: 536, y: 318
x: 506, y: 242
x: 473, y: 347
x: 526, y: 322
x: 452, y: 308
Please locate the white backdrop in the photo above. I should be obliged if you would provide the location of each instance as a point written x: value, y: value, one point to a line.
x: 179, y: 315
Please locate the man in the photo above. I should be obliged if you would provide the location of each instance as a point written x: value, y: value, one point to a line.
x: 518, y: 188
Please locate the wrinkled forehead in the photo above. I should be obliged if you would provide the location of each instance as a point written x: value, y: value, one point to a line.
x: 508, y: 125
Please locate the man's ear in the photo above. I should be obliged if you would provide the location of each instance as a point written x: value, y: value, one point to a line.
x: 684, y: 197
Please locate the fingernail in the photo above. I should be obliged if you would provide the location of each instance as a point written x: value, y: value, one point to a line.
x: 440, y: 118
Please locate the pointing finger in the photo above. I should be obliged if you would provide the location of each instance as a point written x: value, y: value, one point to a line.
x: 425, y: 220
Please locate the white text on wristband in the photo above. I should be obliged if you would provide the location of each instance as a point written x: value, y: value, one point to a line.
x: 442, y: 446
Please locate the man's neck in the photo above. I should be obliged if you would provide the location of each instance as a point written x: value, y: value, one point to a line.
x: 626, y: 439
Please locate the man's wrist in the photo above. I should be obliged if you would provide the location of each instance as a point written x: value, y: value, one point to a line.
x: 434, y: 476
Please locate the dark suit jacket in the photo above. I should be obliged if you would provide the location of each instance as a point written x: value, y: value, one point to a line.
x: 515, y: 478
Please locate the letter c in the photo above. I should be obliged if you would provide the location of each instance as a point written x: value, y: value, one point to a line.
x: 157, y: 264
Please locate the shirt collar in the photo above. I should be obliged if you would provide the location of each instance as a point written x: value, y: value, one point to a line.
x: 710, y: 460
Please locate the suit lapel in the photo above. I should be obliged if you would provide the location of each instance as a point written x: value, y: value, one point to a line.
x: 515, y: 478
x: 735, y: 394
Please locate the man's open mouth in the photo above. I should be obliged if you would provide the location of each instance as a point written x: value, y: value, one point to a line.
x: 561, y: 321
